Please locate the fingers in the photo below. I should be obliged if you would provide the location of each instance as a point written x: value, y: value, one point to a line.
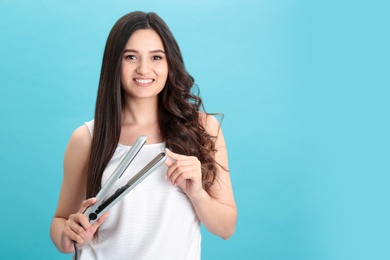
x: 170, y: 160
x: 81, y: 219
x: 73, y: 228
x: 77, y: 227
x: 176, y: 156
x: 98, y: 222
x: 181, y: 167
x: 178, y: 173
x: 86, y: 204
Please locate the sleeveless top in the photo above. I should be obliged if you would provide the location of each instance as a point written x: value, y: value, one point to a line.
x: 154, y: 221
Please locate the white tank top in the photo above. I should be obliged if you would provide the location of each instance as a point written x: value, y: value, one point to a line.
x: 154, y: 221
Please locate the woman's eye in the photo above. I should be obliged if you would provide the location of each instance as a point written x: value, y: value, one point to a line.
x: 130, y: 57
x: 156, y: 58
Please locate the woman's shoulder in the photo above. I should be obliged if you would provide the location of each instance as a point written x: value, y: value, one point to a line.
x: 81, y: 138
x: 210, y: 123
x: 90, y: 125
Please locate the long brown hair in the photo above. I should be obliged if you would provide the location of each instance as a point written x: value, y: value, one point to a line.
x: 179, y: 108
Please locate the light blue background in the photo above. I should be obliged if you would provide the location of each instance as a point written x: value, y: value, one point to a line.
x: 304, y: 86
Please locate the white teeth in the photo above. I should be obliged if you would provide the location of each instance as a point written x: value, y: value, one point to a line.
x: 143, y: 81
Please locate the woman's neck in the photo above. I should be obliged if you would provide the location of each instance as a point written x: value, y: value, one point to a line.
x: 140, y: 117
x: 140, y: 112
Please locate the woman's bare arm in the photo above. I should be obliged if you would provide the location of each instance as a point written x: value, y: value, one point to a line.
x: 72, y: 192
x: 218, y: 213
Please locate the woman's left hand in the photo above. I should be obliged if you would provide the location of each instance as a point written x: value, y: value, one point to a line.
x: 185, y: 172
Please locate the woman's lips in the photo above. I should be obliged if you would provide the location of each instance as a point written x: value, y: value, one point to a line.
x: 143, y: 82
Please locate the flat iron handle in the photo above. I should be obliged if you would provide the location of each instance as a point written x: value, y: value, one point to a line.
x: 131, y: 184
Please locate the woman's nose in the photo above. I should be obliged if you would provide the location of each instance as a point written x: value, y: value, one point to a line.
x: 143, y: 67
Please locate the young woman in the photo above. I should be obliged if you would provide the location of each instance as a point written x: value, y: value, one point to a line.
x: 144, y: 89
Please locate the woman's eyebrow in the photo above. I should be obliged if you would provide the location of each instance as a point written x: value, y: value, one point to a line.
x: 153, y: 51
x: 157, y: 51
x: 130, y: 50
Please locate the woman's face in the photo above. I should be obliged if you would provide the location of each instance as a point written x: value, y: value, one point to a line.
x: 144, y: 68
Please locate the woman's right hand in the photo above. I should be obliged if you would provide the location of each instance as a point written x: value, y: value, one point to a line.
x: 77, y: 227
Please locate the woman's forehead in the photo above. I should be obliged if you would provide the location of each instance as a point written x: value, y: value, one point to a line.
x: 145, y: 39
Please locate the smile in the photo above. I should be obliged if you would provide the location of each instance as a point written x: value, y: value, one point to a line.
x: 144, y: 81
